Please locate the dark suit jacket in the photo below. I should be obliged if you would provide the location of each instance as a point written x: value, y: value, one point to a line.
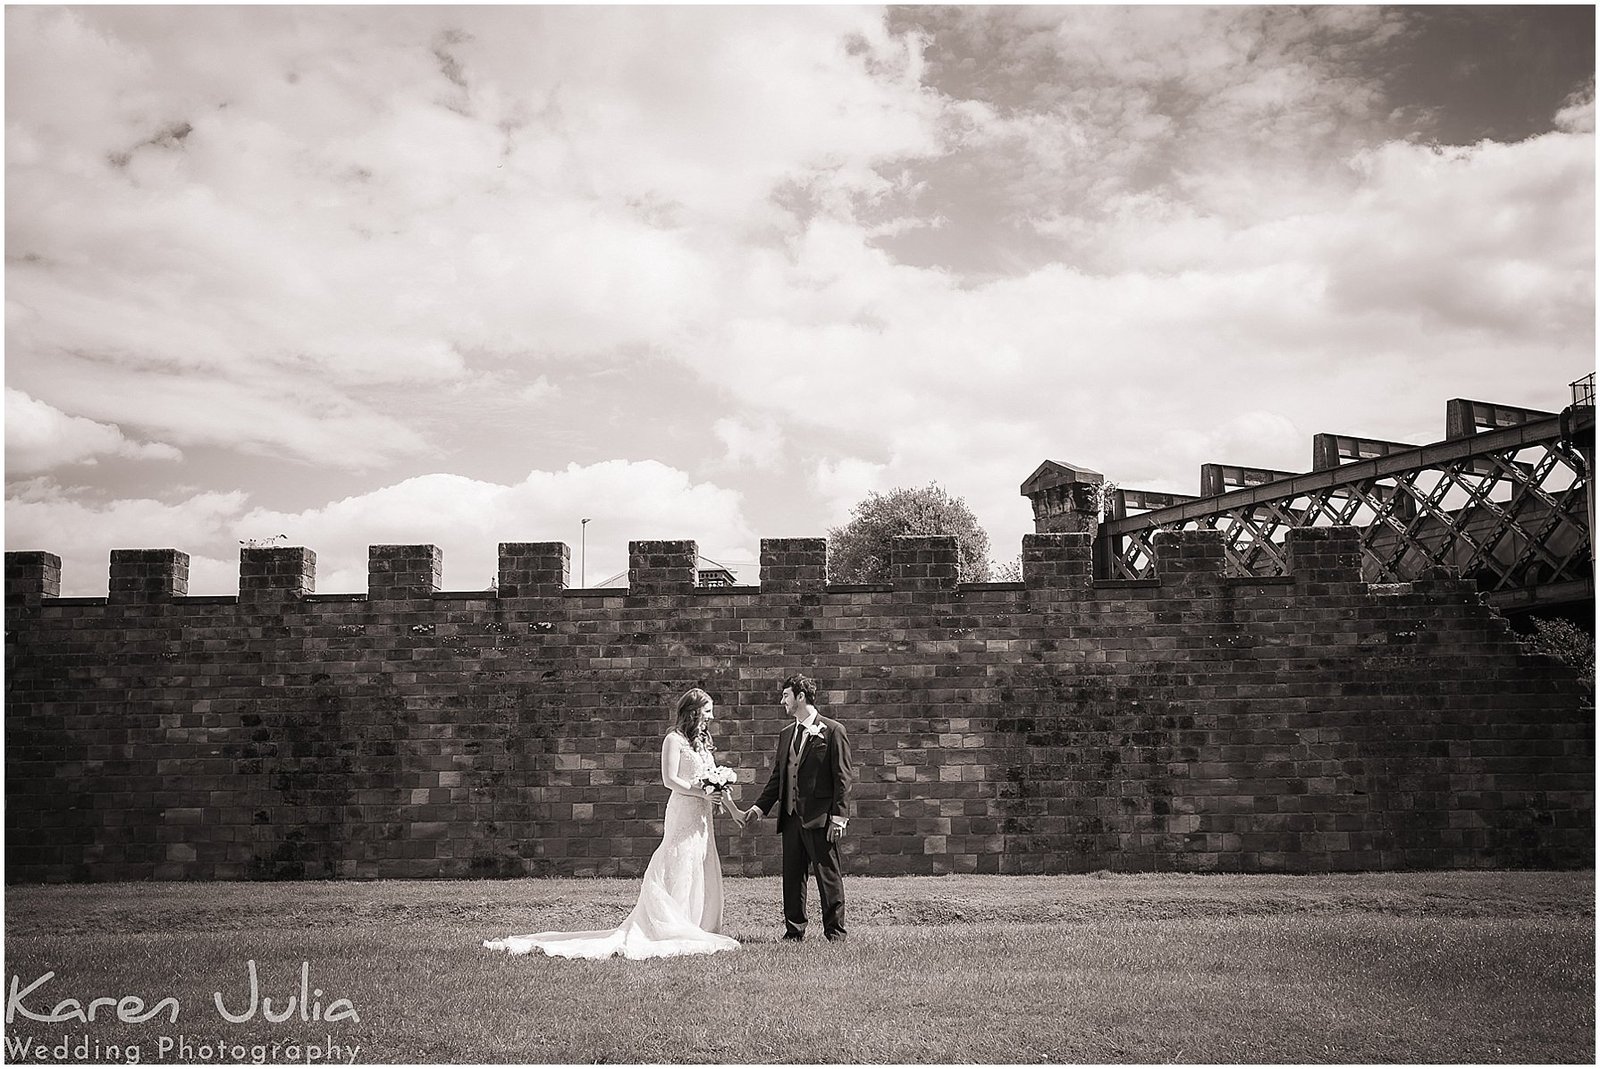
x: 825, y: 777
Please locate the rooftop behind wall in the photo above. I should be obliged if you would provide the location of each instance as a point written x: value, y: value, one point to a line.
x: 1193, y: 721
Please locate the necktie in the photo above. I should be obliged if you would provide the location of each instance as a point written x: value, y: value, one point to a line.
x: 794, y: 768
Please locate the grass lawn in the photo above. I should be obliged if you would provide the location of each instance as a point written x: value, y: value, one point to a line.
x: 1396, y: 967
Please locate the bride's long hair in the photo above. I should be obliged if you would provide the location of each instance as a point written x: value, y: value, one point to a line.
x: 691, y: 719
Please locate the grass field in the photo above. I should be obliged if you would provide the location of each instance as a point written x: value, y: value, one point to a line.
x: 1398, y: 967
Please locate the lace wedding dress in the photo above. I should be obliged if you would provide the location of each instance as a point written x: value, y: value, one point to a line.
x: 680, y: 903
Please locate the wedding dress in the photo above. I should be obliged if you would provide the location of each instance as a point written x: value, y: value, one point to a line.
x: 680, y: 903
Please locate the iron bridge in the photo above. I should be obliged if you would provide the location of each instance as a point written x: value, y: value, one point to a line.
x: 1505, y: 499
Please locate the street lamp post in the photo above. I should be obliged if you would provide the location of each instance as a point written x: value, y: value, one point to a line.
x: 583, y: 552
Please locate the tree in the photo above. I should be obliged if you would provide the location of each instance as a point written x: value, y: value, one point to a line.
x: 1006, y: 571
x: 1566, y: 642
x: 858, y: 552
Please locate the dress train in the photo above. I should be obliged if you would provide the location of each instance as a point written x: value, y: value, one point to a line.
x: 679, y: 910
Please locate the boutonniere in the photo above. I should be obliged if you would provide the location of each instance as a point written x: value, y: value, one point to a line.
x: 814, y: 731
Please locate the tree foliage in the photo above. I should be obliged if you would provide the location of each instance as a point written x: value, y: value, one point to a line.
x: 1009, y: 571
x: 1565, y: 641
x: 858, y: 552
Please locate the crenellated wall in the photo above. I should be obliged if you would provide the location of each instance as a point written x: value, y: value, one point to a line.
x: 1195, y: 721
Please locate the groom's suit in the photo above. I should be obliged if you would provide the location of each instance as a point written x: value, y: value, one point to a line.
x: 810, y: 785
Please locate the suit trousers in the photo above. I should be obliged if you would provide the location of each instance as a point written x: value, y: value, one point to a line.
x: 807, y: 851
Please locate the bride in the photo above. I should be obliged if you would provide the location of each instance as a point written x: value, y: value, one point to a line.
x: 680, y: 904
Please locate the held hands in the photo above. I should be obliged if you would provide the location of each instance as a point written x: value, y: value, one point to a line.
x: 835, y: 832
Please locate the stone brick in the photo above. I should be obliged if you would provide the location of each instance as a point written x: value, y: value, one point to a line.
x: 32, y: 576
x: 1189, y: 556
x: 1058, y: 561
x: 276, y: 573
x: 924, y: 562
x: 533, y: 569
x: 662, y: 567
x: 793, y: 565
x: 143, y: 575
x: 397, y: 572
x: 1324, y: 554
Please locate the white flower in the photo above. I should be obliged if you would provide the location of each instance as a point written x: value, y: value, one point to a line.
x: 716, y: 779
x: 814, y: 731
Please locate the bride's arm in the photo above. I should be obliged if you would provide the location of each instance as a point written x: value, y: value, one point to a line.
x: 732, y: 810
x: 670, y: 779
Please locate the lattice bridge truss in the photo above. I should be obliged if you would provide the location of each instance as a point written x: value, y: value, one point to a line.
x: 1504, y: 499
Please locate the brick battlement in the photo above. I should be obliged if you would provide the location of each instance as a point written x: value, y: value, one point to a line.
x: 1195, y: 721
x: 788, y: 565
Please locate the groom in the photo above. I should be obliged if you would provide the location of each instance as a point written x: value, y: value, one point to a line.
x: 810, y: 785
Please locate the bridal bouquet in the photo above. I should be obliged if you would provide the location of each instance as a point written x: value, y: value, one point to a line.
x: 716, y: 779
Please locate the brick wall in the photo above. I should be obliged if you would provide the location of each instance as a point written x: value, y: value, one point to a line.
x: 1193, y: 722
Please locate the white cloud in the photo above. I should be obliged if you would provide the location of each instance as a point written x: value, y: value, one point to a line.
x: 1198, y: 232
x: 749, y: 445
x: 1258, y: 439
x: 844, y: 481
x: 537, y: 392
x: 251, y: 414
x: 1493, y: 237
x: 83, y: 533
x: 466, y: 518
x: 1577, y: 111
x: 1191, y: 102
x: 40, y: 437
x: 1412, y: 276
x: 274, y: 221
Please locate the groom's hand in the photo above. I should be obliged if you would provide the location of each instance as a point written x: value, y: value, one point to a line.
x: 835, y: 832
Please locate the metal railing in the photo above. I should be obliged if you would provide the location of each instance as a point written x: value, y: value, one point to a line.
x: 1583, y: 391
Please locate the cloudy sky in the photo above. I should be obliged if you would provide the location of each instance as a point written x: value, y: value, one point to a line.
x: 465, y: 275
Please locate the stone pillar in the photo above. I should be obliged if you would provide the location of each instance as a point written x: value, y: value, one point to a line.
x: 793, y: 565
x: 396, y: 572
x: 1057, y: 561
x: 32, y: 576
x: 1324, y: 554
x: 276, y: 573
x: 1063, y: 499
x: 147, y: 575
x: 1189, y: 556
x: 924, y: 562
x: 662, y: 567
x: 533, y: 569
x: 1068, y: 509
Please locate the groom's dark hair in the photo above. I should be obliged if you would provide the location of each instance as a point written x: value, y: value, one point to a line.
x: 802, y: 685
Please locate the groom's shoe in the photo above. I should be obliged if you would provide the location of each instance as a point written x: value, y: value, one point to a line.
x: 790, y: 937
x: 836, y: 937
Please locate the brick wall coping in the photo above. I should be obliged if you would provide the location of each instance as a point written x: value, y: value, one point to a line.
x: 622, y: 591
x: 275, y: 576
